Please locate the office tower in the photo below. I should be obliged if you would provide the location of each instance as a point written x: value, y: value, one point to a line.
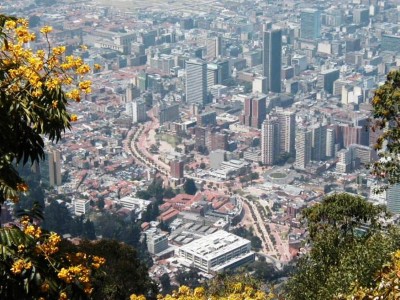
x: 225, y: 70
x: 361, y: 16
x: 213, y: 75
x: 131, y: 93
x: 270, y: 140
x: 287, y: 130
x: 214, y: 47
x: 50, y: 169
x: 303, y: 148
x: 393, y: 198
x: 201, y: 138
x: 196, y: 81
x: 138, y: 111
x: 318, y: 141
x: 168, y: 112
x: 326, y: 79
x: 255, y: 110
x: 310, y: 24
x: 330, y: 142
x: 272, y: 59
x: 208, y: 118
x: 176, y: 167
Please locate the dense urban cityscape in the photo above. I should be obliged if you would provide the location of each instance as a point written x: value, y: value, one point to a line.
x: 213, y: 124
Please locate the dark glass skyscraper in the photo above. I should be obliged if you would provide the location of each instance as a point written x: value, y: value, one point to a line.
x: 272, y: 59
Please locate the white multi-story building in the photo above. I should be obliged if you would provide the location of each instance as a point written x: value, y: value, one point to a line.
x: 270, y: 140
x: 196, y: 81
x: 344, y: 161
x: 138, y: 111
x: 287, y: 129
x: 217, y: 252
x: 81, y: 206
x: 156, y: 242
x: 303, y: 148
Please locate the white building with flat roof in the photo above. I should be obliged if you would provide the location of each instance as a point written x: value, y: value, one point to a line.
x: 81, y: 207
x: 217, y: 252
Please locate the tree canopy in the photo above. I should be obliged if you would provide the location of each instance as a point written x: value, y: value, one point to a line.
x: 35, y: 89
x: 348, y: 245
x: 386, y: 124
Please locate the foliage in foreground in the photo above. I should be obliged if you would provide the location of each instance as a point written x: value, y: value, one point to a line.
x: 348, y: 247
x: 386, y: 123
x: 32, y: 265
x: 222, y: 287
x: 35, y: 89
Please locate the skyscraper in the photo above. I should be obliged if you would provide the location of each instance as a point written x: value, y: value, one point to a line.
x: 196, y: 81
x: 270, y: 140
x: 272, y: 59
x: 138, y: 111
x: 214, y: 47
x: 50, y: 170
x: 303, y: 148
x: 255, y: 110
x: 287, y: 130
x: 310, y: 26
x: 318, y: 142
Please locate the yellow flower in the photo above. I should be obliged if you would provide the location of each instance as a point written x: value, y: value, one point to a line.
x: 59, y: 50
x: 74, y: 95
x: 21, y: 248
x: 82, y: 69
x: 74, y: 118
x: 46, y: 29
x: 63, y: 296
x: 10, y: 24
x: 17, y: 267
x: 97, y: 67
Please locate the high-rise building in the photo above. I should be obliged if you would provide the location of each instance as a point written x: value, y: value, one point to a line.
x: 168, y: 112
x: 272, y: 59
x: 138, y: 111
x: 214, y: 47
x: 50, y: 169
x: 361, y: 16
x: 255, y: 110
x: 310, y: 24
x: 176, y: 167
x: 213, y: 75
x: 196, y: 81
x: 270, y: 140
x: 318, y: 141
x: 330, y: 142
x: 393, y: 198
x: 287, y: 130
x: 208, y: 118
x: 326, y: 79
x: 303, y: 148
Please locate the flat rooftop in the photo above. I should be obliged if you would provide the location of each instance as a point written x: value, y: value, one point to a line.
x: 215, y: 244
